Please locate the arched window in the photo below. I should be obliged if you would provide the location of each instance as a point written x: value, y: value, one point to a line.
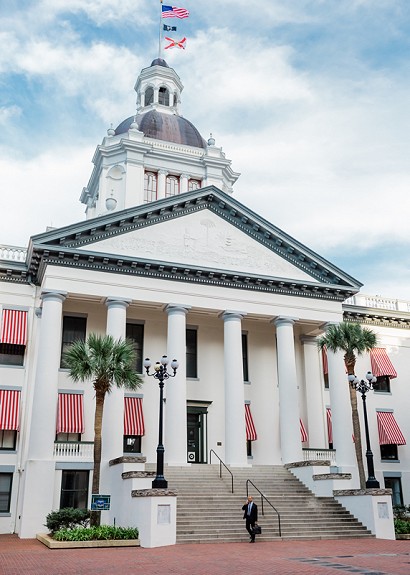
x: 194, y: 185
x: 163, y: 96
x: 172, y: 188
x: 149, y: 96
x: 150, y: 187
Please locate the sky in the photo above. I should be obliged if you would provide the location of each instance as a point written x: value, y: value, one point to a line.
x: 309, y: 99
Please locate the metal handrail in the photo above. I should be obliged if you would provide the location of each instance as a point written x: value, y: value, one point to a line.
x: 263, y: 497
x: 220, y: 465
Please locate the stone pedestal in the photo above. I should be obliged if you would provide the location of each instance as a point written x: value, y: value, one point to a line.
x: 372, y: 507
x: 154, y: 512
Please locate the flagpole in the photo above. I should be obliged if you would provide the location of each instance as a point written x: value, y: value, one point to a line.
x: 159, y: 32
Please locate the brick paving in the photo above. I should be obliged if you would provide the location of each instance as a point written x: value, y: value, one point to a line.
x: 353, y: 556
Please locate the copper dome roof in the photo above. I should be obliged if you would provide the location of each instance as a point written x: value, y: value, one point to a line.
x: 167, y: 127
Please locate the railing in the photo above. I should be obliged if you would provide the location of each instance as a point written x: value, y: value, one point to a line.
x: 77, y: 450
x: 263, y: 497
x: 311, y: 454
x: 13, y: 253
x: 378, y: 302
x: 220, y: 465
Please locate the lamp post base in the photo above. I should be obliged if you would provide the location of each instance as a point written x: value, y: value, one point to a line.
x: 159, y: 483
x: 372, y: 483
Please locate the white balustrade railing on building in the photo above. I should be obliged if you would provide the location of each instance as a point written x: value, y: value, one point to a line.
x: 13, y: 253
x: 381, y: 302
x: 78, y: 450
x: 311, y: 454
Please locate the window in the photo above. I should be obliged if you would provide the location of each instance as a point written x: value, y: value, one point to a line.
x: 249, y: 448
x: 6, y: 480
x: 193, y: 185
x: 245, y: 356
x: 394, y: 483
x: 172, y: 187
x: 163, y: 96
x: 11, y: 354
x: 132, y: 443
x: 326, y: 380
x: 66, y: 437
x: 13, y: 336
x: 74, y: 329
x: 191, y: 353
x: 382, y: 384
x: 74, y: 489
x: 389, y: 452
x: 8, y: 440
x: 135, y: 332
x: 149, y: 96
x: 150, y: 187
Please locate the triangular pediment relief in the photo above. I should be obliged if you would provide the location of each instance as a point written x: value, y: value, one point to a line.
x: 202, y: 239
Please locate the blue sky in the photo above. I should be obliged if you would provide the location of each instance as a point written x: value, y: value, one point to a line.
x: 309, y: 98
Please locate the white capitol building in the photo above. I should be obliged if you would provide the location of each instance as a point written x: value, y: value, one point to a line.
x: 167, y: 257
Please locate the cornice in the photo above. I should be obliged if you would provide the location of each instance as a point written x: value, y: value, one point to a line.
x: 376, y: 316
x: 109, y: 263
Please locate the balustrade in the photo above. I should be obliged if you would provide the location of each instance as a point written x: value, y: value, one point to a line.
x: 78, y: 450
x: 13, y: 253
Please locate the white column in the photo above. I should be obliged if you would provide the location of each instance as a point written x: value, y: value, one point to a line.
x: 341, y: 414
x: 183, y: 183
x: 316, y: 416
x: 291, y: 445
x: 161, y: 184
x: 43, y: 419
x: 175, y: 436
x: 113, y: 418
x: 39, y: 469
x: 235, y: 429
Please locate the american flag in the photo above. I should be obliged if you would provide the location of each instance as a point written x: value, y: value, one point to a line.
x: 174, y: 12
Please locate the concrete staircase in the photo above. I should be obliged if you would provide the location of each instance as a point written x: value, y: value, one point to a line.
x: 207, y: 511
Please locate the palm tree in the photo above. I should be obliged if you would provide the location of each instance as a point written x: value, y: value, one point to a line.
x: 352, y: 339
x: 107, y: 362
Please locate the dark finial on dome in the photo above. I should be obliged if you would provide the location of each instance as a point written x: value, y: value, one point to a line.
x: 159, y: 62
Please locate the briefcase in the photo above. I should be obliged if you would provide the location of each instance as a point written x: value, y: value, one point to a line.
x: 256, y: 530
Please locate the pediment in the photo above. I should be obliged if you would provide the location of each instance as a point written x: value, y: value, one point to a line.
x: 201, y: 236
x: 202, y: 239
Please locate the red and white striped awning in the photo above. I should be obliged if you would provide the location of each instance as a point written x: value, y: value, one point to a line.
x: 389, y: 431
x: 133, y: 416
x: 324, y: 361
x: 9, y: 409
x: 70, y: 416
x: 329, y: 425
x: 381, y: 364
x: 303, y: 432
x: 251, y: 434
x: 14, y: 327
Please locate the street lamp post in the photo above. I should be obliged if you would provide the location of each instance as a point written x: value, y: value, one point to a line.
x: 363, y: 386
x: 161, y: 374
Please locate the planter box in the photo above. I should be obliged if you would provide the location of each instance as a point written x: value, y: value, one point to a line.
x: 402, y: 535
x: 52, y: 544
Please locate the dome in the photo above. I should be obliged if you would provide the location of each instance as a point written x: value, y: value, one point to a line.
x: 167, y: 127
x: 159, y: 62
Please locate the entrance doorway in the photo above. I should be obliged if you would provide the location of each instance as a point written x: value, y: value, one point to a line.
x: 196, y: 434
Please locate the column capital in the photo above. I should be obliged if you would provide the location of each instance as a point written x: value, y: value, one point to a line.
x: 112, y: 302
x: 309, y: 340
x: 163, y: 172
x: 185, y: 176
x: 172, y: 308
x: 284, y: 320
x: 52, y: 295
x: 232, y: 314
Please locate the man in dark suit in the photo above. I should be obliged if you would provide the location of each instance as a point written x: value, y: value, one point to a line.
x: 250, y: 513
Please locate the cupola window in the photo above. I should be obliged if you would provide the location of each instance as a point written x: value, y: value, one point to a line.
x: 149, y: 96
x: 194, y: 185
x: 172, y: 188
x: 163, y: 96
x: 150, y: 187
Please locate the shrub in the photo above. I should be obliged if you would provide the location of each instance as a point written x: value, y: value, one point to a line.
x: 101, y: 532
x: 67, y: 518
x: 401, y: 512
x: 401, y: 526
